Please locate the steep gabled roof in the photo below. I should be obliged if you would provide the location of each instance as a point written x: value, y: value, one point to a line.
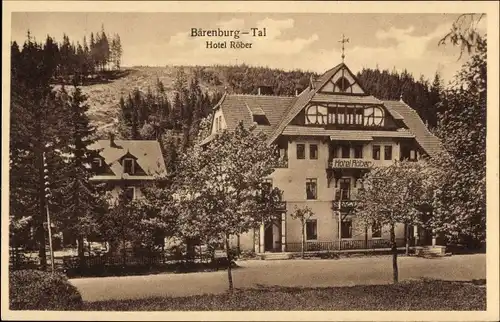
x: 298, y: 105
x: 428, y: 142
x: 327, y: 75
x: 147, y: 153
x: 238, y: 108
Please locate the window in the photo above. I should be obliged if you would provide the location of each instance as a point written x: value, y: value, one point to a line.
x: 311, y: 229
x: 344, y: 191
x: 129, y: 193
x: 334, y: 151
x: 358, y: 152
x: 376, y: 230
x: 313, y: 151
x: 413, y: 155
x: 97, y: 164
x: 128, y: 165
x: 345, y: 152
x: 359, y: 116
x: 342, y: 84
x: 267, y: 186
x: 346, y: 228
x: 388, y: 152
x: 311, y: 189
x: 316, y: 115
x: 341, y: 115
x: 376, y: 152
x: 301, y: 151
x: 374, y: 116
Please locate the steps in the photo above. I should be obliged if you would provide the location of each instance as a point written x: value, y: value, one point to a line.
x: 431, y: 251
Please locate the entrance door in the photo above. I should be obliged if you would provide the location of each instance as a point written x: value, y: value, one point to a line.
x: 268, y: 238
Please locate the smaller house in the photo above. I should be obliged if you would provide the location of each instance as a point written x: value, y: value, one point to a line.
x: 127, y: 164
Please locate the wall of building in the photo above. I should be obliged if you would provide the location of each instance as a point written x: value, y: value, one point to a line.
x: 115, y: 192
x: 218, y: 114
x: 292, y: 181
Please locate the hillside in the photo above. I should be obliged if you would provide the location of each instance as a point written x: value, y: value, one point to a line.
x: 103, y: 99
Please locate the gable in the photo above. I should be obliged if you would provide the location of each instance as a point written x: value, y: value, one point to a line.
x: 343, y: 81
x: 218, y: 121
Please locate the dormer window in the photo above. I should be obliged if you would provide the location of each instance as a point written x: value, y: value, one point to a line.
x: 128, y: 165
x: 97, y: 164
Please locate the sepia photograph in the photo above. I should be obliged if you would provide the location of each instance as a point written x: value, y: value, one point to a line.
x: 255, y: 160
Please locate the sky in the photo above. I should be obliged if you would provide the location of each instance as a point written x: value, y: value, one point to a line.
x: 307, y: 41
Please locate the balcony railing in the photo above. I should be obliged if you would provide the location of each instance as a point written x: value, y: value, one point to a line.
x: 281, y: 206
x: 347, y: 244
x: 282, y: 162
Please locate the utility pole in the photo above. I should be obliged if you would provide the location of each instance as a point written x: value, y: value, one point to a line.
x: 340, y: 220
x: 47, y: 199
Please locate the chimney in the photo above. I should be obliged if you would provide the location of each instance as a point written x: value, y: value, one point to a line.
x: 112, y: 140
x: 258, y: 90
x: 296, y: 92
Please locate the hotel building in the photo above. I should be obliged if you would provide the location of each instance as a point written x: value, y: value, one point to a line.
x: 329, y: 135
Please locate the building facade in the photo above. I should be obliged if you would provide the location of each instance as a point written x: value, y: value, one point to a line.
x: 328, y: 136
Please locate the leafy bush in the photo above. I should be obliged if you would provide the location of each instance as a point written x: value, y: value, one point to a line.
x: 38, y: 290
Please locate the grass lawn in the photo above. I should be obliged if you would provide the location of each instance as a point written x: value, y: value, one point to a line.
x: 415, y: 295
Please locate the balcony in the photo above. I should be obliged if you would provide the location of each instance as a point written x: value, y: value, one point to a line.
x: 282, y: 162
x: 281, y: 206
x: 344, y: 199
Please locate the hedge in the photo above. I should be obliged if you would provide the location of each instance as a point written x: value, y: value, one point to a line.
x: 39, y: 290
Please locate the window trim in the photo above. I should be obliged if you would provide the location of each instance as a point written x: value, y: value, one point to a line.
x: 315, y: 181
x: 387, y: 148
x: 317, y: 151
x: 297, y: 151
x: 351, y: 232
x: 97, y: 159
x: 373, y: 152
x: 361, y: 151
x: 346, y: 146
x: 132, y: 167
x: 133, y: 192
x: 316, y: 229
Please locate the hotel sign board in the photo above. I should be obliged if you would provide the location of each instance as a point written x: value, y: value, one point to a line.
x: 350, y: 164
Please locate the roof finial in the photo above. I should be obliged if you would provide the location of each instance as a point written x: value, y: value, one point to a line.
x: 343, y: 41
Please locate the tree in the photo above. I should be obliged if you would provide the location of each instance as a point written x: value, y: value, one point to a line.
x: 220, y: 188
x: 116, y: 51
x: 81, y: 197
x: 37, y: 118
x: 104, y: 49
x: 464, y: 33
x: 392, y: 195
x: 302, y: 214
x: 460, y: 198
